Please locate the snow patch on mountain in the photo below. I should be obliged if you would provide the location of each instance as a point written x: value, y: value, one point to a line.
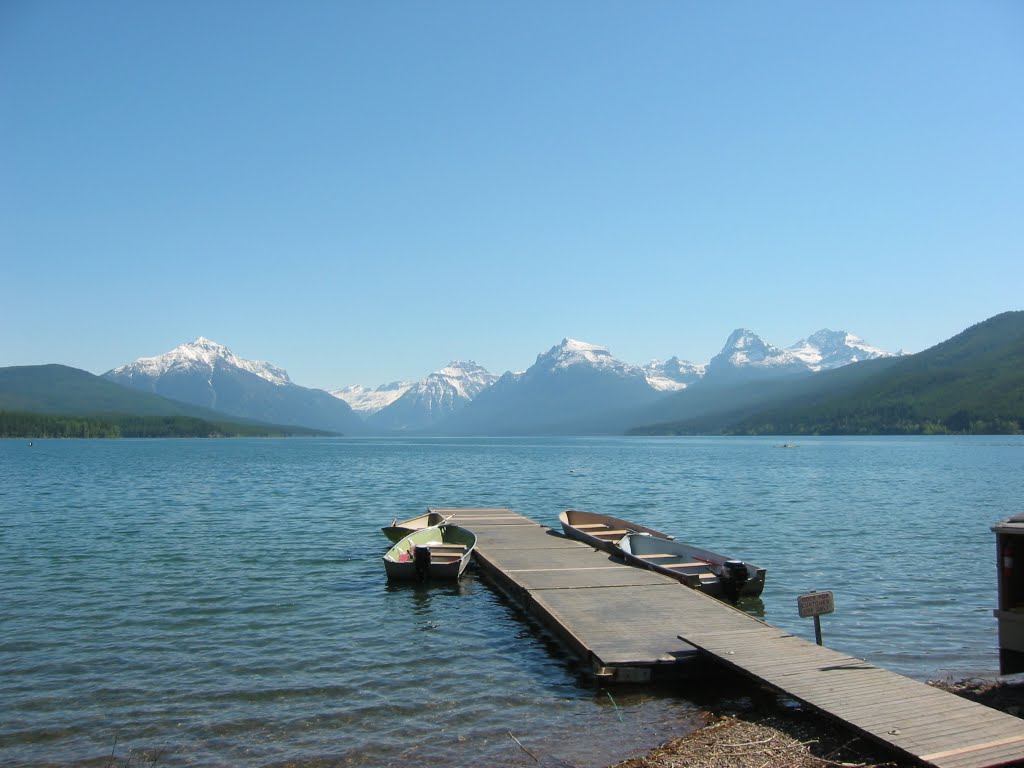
x: 826, y: 349
x: 444, y: 389
x: 364, y: 400
x: 466, y: 379
x: 746, y: 352
x: 664, y: 384
x: 436, y: 397
x: 745, y: 347
x: 571, y: 352
x: 201, y: 355
x: 674, y: 374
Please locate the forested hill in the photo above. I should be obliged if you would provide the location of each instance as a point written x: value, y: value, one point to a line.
x: 971, y: 384
x: 60, y: 401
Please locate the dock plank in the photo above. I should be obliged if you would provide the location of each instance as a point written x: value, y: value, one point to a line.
x: 483, y: 517
x: 491, y: 540
x: 926, y: 723
x: 581, y: 578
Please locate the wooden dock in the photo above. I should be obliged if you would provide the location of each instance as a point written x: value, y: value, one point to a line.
x: 631, y: 625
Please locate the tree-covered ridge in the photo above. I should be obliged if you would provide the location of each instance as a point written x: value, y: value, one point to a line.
x: 970, y: 384
x: 41, y: 425
x: 59, y: 401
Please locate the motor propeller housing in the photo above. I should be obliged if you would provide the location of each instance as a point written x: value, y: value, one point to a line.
x: 734, y: 577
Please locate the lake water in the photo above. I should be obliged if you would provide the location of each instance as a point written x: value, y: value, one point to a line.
x: 223, y: 600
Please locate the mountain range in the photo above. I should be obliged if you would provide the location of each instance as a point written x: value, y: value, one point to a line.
x: 574, y: 387
x: 971, y: 383
x: 831, y: 381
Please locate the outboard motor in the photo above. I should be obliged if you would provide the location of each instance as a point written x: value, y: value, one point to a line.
x: 734, y: 576
x: 421, y: 561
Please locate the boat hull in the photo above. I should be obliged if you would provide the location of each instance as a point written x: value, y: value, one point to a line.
x: 601, y: 531
x: 698, y: 568
x: 437, y: 553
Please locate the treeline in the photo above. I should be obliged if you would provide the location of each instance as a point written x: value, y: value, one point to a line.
x: 43, y: 425
x: 40, y: 425
x: 893, y: 420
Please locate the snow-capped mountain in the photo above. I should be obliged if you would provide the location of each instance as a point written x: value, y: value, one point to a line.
x: 434, y: 399
x: 199, y: 356
x: 573, y: 388
x: 208, y: 374
x: 366, y: 401
x: 571, y: 352
x: 674, y: 374
x: 827, y: 349
x: 747, y: 354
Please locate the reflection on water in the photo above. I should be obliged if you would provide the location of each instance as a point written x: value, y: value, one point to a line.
x: 752, y: 605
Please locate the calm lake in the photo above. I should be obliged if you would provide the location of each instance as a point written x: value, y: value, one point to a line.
x: 224, y: 600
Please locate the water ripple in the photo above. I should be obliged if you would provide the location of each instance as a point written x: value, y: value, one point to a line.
x: 224, y: 601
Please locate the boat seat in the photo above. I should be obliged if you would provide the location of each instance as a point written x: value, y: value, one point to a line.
x: 610, y: 533
x: 656, y: 556
x: 456, y: 547
x: 587, y: 526
x: 684, y: 565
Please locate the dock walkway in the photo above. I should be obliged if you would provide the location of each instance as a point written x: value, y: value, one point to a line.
x: 631, y: 624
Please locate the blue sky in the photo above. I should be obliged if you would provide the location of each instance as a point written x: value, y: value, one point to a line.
x: 360, y: 192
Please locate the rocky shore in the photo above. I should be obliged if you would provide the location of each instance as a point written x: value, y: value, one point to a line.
x: 785, y: 735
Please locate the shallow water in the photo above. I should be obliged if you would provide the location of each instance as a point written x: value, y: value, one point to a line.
x: 224, y: 600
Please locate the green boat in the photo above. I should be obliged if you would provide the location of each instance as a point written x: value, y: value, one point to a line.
x: 437, y: 553
x: 399, y: 530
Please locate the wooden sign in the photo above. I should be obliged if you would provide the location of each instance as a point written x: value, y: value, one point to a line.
x: 815, y: 604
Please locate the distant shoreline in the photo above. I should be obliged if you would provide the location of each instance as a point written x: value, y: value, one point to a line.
x: 39, y: 426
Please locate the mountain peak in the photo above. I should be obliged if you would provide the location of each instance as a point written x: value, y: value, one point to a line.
x: 461, y: 369
x: 570, y: 352
x: 574, y: 345
x: 462, y: 380
x: 745, y: 350
x: 745, y: 346
x: 743, y: 338
x: 827, y: 349
x: 200, y: 350
x: 674, y: 374
x: 198, y: 355
x: 433, y: 399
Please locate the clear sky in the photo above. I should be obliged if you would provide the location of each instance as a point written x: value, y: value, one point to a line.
x: 362, y: 191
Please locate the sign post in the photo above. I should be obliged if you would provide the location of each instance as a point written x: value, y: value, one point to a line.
x: 815, y: 604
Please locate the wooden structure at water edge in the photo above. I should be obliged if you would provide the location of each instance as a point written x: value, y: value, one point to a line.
x: 632, y: 625
x: 1010, y: 613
